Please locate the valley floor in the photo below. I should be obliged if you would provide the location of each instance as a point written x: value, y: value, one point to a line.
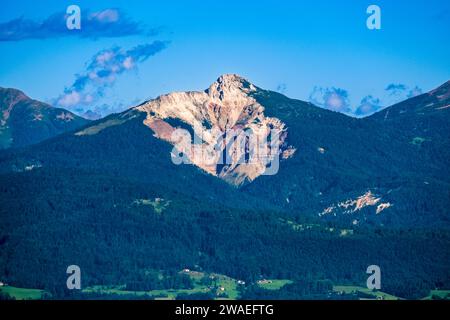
x: 220, y: 288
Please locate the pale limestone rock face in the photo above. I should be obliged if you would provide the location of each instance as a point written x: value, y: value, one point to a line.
x: 382, y: 206
x: 226, y: 109
x: 354, y: 205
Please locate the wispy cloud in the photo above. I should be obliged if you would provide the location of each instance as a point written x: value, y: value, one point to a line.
x: 395, y: 88
x: 100, y: 74
x: 398, y: 92
x: 281, y: 88
x: 414, y: 92
x: 106, y: 23
x: 368, y: 105
x: 335, y: 99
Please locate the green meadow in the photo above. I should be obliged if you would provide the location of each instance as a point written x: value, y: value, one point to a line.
x: 22, y: 293
x: 375, y: 294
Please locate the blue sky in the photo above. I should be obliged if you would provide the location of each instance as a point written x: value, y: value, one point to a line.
x: 319, y: 51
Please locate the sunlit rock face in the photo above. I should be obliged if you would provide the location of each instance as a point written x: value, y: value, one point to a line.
x: 352, y: 206
x: 222, y: 130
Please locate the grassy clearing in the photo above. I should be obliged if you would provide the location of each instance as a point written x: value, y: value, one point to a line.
x: 299, y: 227
x: 169, y: 294
x: 229, y: 285
x: 22, y: 293
x: 313, y: 226
x: 273, y: 284
x: 355, y: 289
x: 346, y: 232
x: 158, y: 205
x: 101, y: 126
x: 438, y: 294
x: 418, y: 141
x: 221, y: 286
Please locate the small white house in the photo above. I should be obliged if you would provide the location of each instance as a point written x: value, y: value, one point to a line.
x: 264, y: 281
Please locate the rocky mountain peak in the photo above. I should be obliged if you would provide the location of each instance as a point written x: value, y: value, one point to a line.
x: 226, y: 108
x: 228, y: 86
x: 25, y: 121
x: 9, y: 97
